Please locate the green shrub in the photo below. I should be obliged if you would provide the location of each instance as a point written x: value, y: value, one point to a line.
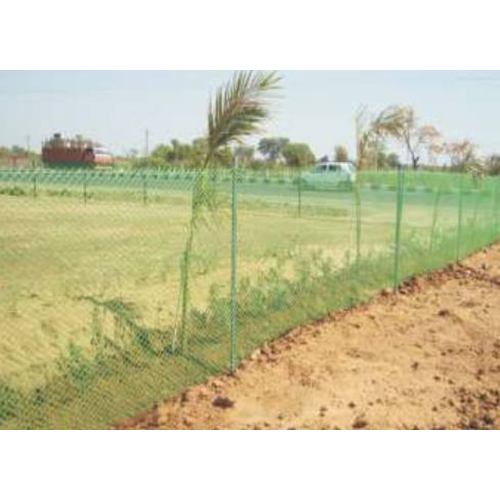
x: 13, y: 191
x: 10, y: 402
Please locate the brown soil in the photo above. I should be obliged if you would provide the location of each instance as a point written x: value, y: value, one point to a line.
x: 427, y: 357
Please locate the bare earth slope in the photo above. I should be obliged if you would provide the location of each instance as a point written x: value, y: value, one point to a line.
x: 427, y: 357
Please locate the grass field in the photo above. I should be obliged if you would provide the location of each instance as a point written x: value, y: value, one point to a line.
x: 90, y: 286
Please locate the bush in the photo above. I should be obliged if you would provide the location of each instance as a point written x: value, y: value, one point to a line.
x: 493, y: 165
x: 10, y: 401
x: 13, y: 191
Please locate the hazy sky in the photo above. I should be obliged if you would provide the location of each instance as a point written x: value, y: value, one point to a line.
x: 317, y: 107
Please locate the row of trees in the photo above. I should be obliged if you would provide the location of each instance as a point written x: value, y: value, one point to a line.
x: 12, y: 151
x: 424, y: 145
x: 400, y: 125
x: 16, y: 156
x: 270, y: 152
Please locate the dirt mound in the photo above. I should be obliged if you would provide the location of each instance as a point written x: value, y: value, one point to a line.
x: 427, y: 357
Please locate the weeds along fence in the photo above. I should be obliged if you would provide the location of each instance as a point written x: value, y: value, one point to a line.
x: 121, y: 289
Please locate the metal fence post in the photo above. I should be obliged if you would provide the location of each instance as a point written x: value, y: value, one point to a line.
x: 144, y: 189
x: 299, y: 193
x: 399, y: 219
x: 233, y: 362
x: 496, y: 215
x: 35, y: 184
x: 85, y: 188
x: 460, y: 214
x: 437, y: 200
x: 357, y: 208
x: 477, y: 199
x: 493, y: 190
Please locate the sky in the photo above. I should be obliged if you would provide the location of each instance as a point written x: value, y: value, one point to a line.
x: 317, y: 107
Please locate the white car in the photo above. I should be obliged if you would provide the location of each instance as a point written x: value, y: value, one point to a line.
x: 330, y: 175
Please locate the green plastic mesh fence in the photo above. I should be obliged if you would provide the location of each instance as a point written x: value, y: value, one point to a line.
x: 120, y: 289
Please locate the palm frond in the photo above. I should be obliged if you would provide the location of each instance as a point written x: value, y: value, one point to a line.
x: 240, y: 108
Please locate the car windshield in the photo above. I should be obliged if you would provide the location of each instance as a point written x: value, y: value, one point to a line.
x: 327, y: 168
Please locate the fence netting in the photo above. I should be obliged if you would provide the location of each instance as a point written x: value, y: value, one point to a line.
x: 120, y: 289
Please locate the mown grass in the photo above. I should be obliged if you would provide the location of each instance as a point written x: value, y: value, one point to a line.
x: 422, y: 180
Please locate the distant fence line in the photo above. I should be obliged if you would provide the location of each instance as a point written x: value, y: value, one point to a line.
x: 157, y: 179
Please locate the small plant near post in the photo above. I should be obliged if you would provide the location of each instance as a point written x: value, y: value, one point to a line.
x: 399, y: 220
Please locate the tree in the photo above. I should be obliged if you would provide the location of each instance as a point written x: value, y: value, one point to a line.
x: 180, y: 153
x: 384, y: 159
x: 401, y: 123
x: 364, y: 138
x: 245, y: 154
x: 432, y: 141
x: 298, y: 155
x: 223, y: 157
x: 341, y: 154
x: 462, y: 156
x: 192, y: 155
x: 493, y: 165
x: 369, y: 134
x: 18, y: 150
x: 272, y: 148
x: 199, y: 148
x: 160, y: 157
x: 239, y: 110
x: 392, y: 161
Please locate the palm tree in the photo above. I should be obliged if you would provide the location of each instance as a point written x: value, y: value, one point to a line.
x: 239, y: 109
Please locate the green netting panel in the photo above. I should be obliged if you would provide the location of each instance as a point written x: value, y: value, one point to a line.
x: 429, y: 225
x: 122, y: 288
x: 91, y: 295
x: 296, y: 253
